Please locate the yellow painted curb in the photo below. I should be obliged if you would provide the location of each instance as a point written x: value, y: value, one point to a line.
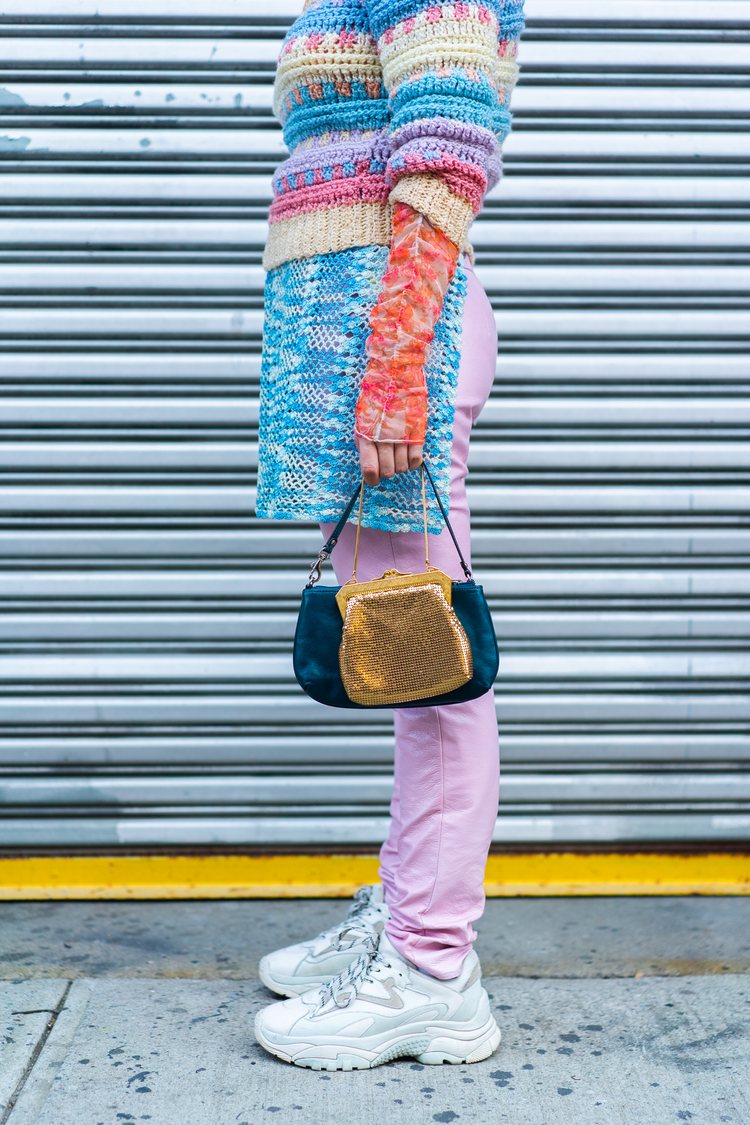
x: 338, y: 876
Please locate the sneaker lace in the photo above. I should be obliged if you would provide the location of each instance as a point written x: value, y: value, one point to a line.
x: 354, y: 926
x: 353, y: 977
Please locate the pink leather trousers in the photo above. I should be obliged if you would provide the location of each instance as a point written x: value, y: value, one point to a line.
x: 446, y: 769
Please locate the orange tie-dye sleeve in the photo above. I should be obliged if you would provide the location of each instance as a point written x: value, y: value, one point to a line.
x: 392, y: 402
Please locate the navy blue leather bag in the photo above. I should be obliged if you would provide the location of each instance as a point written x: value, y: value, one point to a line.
x: 319, y: 629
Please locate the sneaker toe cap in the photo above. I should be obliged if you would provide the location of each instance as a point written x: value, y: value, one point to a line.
x: 277, y: 1021
x: 284, y: 962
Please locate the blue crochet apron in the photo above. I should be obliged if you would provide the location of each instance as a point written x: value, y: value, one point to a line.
x: 315, y: 326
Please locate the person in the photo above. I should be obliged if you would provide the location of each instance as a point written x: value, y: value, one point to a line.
x: 379, y: 351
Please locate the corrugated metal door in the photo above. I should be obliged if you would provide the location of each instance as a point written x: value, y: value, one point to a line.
x: 147, y: 695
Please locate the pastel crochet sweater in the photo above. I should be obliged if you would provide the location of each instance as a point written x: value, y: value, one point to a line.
x: 387, y: 100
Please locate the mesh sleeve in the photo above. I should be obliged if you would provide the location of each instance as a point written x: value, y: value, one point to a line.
x: 392, y: 402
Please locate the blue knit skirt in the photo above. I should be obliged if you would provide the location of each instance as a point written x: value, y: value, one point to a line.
x: 316, y: 322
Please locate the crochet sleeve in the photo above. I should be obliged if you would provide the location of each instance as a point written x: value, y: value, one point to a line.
x: 392, y: 402
x: 449, y: 68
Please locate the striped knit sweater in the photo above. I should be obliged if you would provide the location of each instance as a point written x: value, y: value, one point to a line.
x: 387, y: 100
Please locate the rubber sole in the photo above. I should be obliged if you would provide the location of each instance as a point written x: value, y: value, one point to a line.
x: 435, y: 1047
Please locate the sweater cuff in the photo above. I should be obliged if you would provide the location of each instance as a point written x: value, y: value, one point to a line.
x: 430, y: 194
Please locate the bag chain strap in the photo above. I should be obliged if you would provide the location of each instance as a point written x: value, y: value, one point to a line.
x: 325, y: 552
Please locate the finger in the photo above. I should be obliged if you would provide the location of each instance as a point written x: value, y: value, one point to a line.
x: 415, y: 455
x: 368, y: 461
x: 401, y: 457
x: 385, y: 454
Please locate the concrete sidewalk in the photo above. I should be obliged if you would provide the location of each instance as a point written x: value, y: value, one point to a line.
x: 632, y: 1011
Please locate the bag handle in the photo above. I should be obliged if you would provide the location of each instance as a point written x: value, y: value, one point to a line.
x: 332, y: 540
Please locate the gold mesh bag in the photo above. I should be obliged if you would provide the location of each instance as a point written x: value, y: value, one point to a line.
x: 401, y: 638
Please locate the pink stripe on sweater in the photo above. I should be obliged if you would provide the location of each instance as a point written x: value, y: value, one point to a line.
x: 316, y: 197
x: 467, y: 180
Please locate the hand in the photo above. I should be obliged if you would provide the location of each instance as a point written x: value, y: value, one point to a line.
x: 385, y: 458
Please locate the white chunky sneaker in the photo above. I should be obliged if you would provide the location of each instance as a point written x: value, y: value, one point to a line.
x: 298, y: 968
x: 381, y: 1008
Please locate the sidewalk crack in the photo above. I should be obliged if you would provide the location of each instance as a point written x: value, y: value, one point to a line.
x: 54, y: 1013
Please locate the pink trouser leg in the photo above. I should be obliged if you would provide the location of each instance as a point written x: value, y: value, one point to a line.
x: 446, y: 768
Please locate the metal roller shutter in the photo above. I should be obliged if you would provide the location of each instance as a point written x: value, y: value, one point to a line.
x: 147, y: 695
